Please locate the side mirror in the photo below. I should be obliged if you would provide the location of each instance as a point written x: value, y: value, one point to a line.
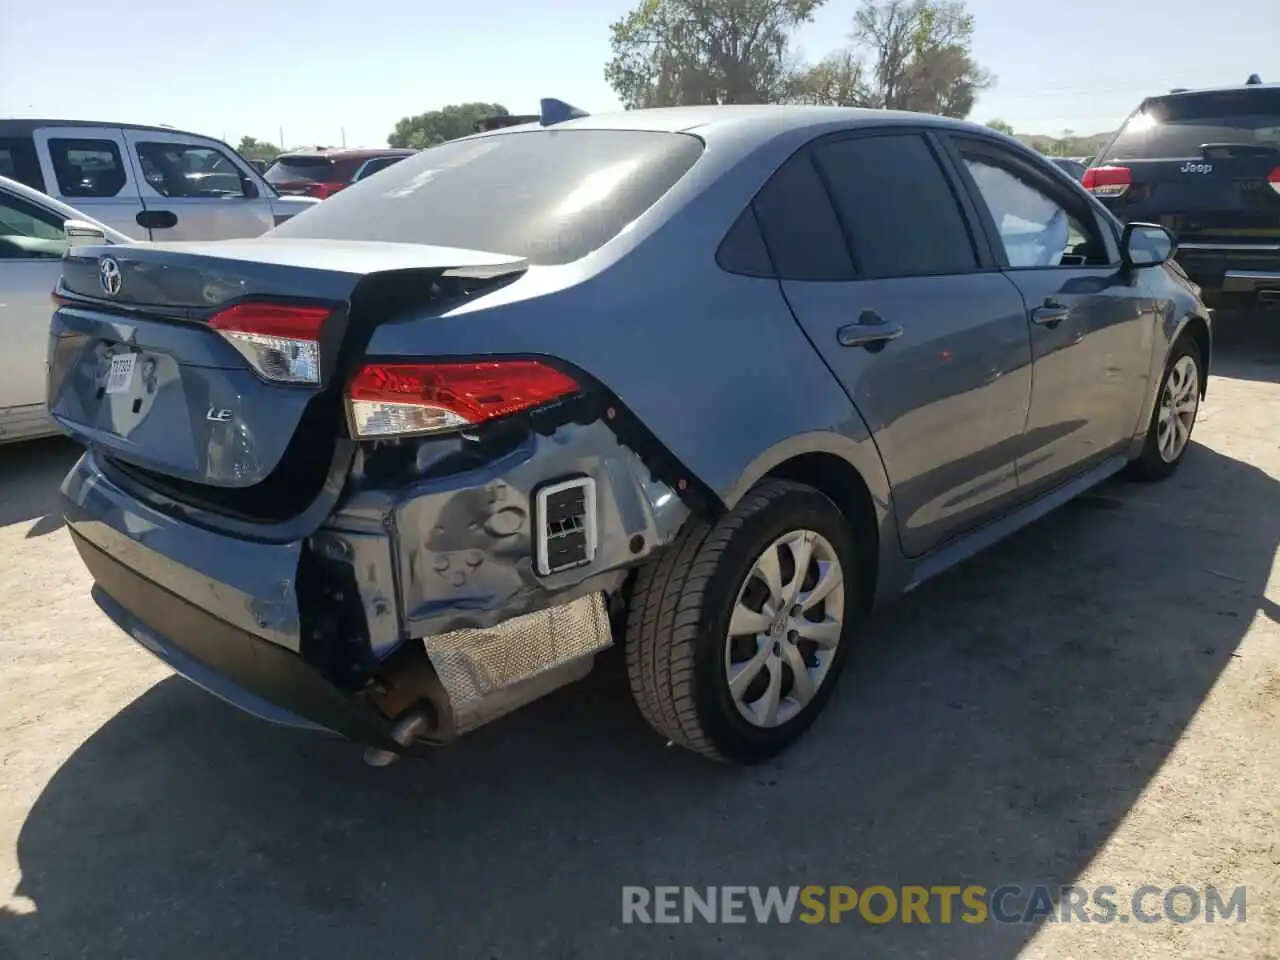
x: 250, y: 188
x: 80, y: 233
x: 1146, y: 245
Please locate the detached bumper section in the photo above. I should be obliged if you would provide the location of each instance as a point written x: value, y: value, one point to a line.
x: 485, y: 614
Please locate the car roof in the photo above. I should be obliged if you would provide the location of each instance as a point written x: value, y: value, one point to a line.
x: 756, y: 121
x: 23, y: 126
x: 1234, y: 88
x: 353, y: 153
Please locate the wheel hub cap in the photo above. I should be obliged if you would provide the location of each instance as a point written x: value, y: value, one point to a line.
x: 785, y: 628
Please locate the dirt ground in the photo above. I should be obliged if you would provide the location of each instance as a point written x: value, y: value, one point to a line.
x: 1096, y: 701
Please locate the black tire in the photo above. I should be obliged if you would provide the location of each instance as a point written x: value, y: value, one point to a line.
x: 678, y: 623
x: 1150, y: 467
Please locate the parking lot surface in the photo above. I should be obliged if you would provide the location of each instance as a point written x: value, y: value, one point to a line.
x: 1096, y: 701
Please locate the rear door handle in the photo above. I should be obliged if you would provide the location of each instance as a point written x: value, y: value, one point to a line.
x: 1050, y: 315
x: 870, y: 331
x: 157, y: 219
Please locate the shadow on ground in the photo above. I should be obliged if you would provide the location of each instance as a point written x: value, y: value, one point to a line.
x: 30, y: 475
x: 997, y: 729
x: 1247, y: 344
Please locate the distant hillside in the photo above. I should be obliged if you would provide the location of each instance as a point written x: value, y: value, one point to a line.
x: 1068, y: 146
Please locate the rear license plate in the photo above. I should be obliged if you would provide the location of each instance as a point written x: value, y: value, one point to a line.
x: 120, y: 376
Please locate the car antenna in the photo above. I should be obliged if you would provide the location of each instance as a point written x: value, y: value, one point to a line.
x: 1253, y: 81
x: 552, y: 111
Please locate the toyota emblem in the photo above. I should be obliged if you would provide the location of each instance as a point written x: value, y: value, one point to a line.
x: 109, y: 276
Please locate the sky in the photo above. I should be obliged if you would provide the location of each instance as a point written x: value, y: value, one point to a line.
x: 334, y: 71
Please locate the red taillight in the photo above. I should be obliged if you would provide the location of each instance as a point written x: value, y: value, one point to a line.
x: 322, y: 191
x: 281, y: 341
x: 1273, y: 178
x: 1107, y: 181
x: 395, y: 399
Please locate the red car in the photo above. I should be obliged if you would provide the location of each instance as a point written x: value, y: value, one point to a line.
x: 323, y: 172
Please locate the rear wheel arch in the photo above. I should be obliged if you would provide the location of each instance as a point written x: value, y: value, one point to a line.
x: 841, y: 483
x: 1197, y: 328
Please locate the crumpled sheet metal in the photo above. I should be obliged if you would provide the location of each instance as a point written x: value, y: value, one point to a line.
x: 491, y: 671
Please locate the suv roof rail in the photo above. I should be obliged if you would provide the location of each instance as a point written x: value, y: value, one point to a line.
x: 1178, y: 90
x: 1253, y: 80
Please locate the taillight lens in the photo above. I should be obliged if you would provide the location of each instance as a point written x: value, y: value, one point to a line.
x: 280, y: 341
x: 1107, y: 181
x: 1273, y: 178
x: 322, y: 191
x: 397, y: 399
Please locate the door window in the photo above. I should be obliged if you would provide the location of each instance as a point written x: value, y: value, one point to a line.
x: 27, y: 232
x: 896, y: 206
x: 18, y: 161
x: 1035, y: 229
x: 87, y: 168
x: 189, y: 170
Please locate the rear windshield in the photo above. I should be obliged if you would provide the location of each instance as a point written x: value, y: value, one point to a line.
x: 311, y: 170
x: 549, y: 196
x: 1175, y: 128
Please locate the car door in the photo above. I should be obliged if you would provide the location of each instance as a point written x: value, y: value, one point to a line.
x: 31, y: 247
x: 893, y: 285
x: 193, y: 189
x: 88, y: 168
x: 1092, y: 322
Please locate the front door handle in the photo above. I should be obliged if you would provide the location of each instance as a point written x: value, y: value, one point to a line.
x: 871, y: 331
x: 1050, y: 315
x: 157, y: 219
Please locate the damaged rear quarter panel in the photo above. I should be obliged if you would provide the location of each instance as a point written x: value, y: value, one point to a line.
x: 462, y: 546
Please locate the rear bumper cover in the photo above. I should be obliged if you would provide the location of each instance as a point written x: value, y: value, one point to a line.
x: 1231, y: 269
x: 256, y: 675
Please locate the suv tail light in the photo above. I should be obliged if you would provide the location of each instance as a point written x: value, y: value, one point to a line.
x: 398, y: 399
x: 1108, y: 182
x: 1273, y: 178
x: 324, y: 190
x: 280, y: 341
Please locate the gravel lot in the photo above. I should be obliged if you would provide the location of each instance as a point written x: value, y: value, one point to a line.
x: 1095, y: 702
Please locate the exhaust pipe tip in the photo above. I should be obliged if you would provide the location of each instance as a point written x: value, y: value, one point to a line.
x: 406, y: 730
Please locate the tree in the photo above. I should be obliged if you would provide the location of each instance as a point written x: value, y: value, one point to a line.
x: 1001, y: 125
x: 671, y: 52
x: 447, y: 123
x: 920, y: 59
x: 251, y: 148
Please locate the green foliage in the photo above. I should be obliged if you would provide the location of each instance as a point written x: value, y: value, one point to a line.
x: 447, y: 123
x: 674, y: 52
x: 251, y: 148
x: 1001, y: 125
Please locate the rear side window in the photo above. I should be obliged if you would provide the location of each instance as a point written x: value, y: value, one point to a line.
x: 312, y: 170
x: 18, y: 161
x: 1178, y: 127
x: 87, y: 168
x: 550, y: 196
x: 897, y: 206
x: 378, y: 163
x: 799, y: 225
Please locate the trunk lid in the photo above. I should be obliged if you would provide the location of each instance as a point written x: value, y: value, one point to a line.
x: 138, y: 368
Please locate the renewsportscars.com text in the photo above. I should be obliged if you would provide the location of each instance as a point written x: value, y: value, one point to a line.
x: 1008, y: 903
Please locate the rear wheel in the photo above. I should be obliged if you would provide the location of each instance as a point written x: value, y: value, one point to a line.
x: 1174, y: 416
x: 737, y: 633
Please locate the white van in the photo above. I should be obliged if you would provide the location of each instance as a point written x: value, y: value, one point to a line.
x: 152, y: 183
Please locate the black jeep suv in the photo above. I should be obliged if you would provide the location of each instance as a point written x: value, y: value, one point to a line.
x: 1205, y: 164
